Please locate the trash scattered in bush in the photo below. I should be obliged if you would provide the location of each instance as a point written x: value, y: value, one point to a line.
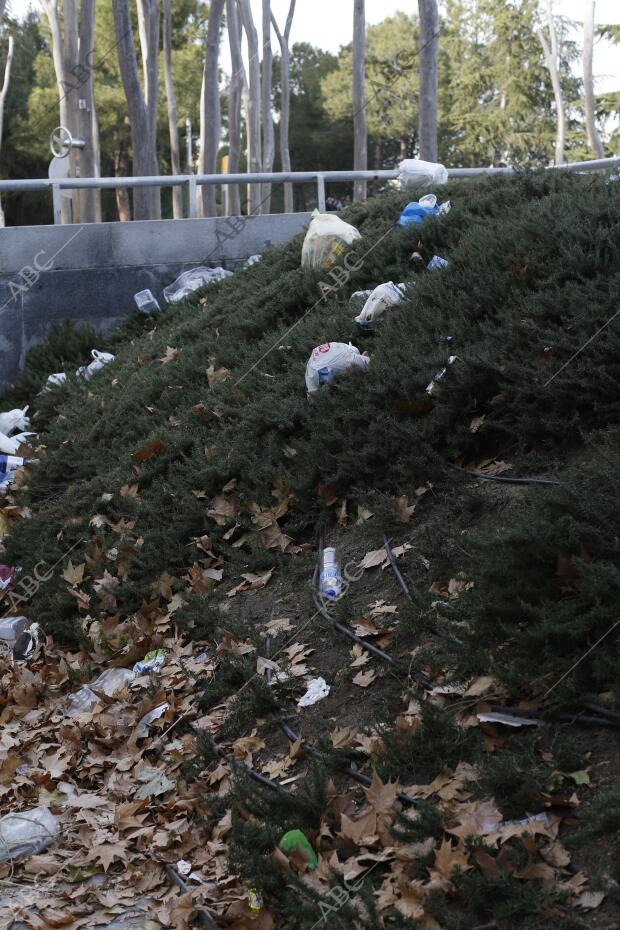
x: 100, y: 360
x: 153, y: 661
x: 330, y: 581
x: 8, y: 465
x: 326, y: 240
x: 330, y: 359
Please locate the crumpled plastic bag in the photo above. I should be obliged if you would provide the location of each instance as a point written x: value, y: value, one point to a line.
x: 153, y: 661
x: 100, y: 360
x: 191, y: 280
x: 317, y: 690
x: 331, y: 359
x: 27, y: 833
x: 252, y: 260
x: 10, y: 444
x: 384, y: 296
x: 326, y: 240
x: 109, y: 683
x: 14, y: 419
x: 418, y: 210
x: 418, y: 172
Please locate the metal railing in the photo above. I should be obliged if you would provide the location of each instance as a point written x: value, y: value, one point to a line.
x: 320, y: 178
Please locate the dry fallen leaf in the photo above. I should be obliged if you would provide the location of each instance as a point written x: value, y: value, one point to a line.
x: 364, y: 679
x: 170, y: 355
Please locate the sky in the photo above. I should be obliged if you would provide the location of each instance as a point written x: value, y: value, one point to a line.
x: 328, y: 24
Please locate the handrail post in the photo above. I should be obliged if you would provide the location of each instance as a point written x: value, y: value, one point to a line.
x: 320, y: 192
x: 192, y: 198
x: 56, y: 204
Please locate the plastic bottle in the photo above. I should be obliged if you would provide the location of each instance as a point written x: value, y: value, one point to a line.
x: 331, y: 576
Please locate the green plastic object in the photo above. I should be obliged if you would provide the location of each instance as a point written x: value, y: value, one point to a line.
x: 295, y: 839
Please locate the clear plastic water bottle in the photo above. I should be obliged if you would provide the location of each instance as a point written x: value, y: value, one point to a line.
x: 331, y: 576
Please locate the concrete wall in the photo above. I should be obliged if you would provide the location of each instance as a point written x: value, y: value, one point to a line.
x: 90, y: 273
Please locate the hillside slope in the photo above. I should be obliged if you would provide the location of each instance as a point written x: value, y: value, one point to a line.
x: 196, y: 464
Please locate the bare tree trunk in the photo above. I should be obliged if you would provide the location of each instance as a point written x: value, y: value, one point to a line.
x: 53, y: 15
x: 121, y: 169
x: 238, y: 81
x: 89, y: 201
x: 360, y: 132
x: 5, y: 88
x: 550, y: 48
x: 594, y: 139
x: 266, y: 114
x: 146, y: 200
x: 285, y: 112
x: 429, y: 49
x: 171, y: 97
x: 253, y: 105
x: 210, y: 117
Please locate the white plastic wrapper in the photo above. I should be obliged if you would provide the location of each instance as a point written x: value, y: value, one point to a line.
x: 191, y: 280
x: 252, y: 260
x: 414, y: 171
x: 54, y: 380
x: 142, y: 730
x: 383, y: 296
x: 14, y: 419
x: 326, y: 240
x: 317, y: 690
x: 26, y: 833
x: 99, y: 361
x: 332, y: 358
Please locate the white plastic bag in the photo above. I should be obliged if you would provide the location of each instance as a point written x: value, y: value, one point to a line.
x: 414, y: 171
x: 384, y: 296
x: 10, y: 444
x: 100, y: 360
x: 14, y: 419
x: 27, y: 833
x: 191, y: 280
x: 331, y: 359
x: 326, y: 240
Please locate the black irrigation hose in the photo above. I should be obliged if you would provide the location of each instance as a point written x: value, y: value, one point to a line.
x: 548, y: 482
x: 294, y: 737
x: 610, y: 718
x: 262, y: 779
x: 603, y: 711
x: 343, y: 629
x: 390, y: 555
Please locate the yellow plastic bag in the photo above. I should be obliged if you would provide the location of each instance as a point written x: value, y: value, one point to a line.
x: 326, y: 241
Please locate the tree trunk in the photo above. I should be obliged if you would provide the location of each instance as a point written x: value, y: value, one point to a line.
x: 429, y: 49
x: 360, y: 132
x: 266, y: 114
x: 210, y: 117
x: 594, y: 139
x: 285, y: 112
x: 146, y: 200
x: 238, y: 82
x: 171, y: 98
x: 4, y: 91
x: 550, y: 48
x: 253, y: 105
x: 121, y: 170
x: 53, y: 16
x: 89, y: 201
